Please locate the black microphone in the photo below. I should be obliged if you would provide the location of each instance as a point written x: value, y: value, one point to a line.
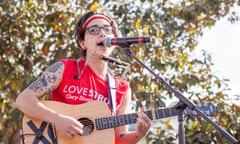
x: 108, y: 42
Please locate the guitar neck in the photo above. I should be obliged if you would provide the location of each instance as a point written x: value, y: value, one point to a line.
x: 126, y: 119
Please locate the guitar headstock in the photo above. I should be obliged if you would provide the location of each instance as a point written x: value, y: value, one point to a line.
x: 208, y: 108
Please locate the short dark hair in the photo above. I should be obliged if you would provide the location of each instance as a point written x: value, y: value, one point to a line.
x: 80, y: 31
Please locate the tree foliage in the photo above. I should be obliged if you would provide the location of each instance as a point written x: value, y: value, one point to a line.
x: 36, y: 33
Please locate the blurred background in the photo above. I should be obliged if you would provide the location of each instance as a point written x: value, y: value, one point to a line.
x: 187, y: 37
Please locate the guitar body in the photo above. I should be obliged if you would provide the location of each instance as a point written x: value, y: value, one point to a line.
x: 98, y: 124
x: 84, y: 113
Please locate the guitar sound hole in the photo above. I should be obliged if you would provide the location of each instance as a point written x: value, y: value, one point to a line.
x: 88, y: 126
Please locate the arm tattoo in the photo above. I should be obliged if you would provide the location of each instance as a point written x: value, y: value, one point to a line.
x: 46, y: 82
x: 39, y: 84
x: 55, y: 67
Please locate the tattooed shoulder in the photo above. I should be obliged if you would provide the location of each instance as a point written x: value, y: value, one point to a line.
x: 47, y: 81
x: 39, y: 84
x: 55, y: 67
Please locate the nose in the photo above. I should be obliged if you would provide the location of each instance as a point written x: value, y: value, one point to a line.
x: 102, y: 32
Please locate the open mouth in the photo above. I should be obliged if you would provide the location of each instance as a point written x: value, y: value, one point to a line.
x: 100, y: 44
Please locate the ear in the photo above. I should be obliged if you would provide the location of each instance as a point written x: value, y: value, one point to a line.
x: 82, y: 44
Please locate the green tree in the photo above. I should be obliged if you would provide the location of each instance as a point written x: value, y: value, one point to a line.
x: 36, y: 33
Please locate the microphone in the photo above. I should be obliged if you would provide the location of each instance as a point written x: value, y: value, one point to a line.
x: 108, y: 42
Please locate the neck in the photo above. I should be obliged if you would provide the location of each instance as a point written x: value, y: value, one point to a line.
x: 99, y: 66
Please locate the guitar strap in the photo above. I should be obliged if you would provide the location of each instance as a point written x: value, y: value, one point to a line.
x: 112, y: 92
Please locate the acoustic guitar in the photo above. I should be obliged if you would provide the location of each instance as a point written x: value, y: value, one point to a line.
x: 98, y: 122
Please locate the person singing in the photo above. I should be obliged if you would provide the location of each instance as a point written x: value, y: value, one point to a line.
x: 80, y: 81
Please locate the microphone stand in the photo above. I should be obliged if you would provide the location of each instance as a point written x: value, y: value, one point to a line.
x: 183, y: 103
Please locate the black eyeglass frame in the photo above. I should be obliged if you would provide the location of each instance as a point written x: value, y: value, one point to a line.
x: 108, y: 29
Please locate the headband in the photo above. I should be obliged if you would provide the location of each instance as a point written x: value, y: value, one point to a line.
x: 97, y: 16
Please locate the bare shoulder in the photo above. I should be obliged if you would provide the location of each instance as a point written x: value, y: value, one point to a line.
x: 48, y: 80
x: 56, y: 67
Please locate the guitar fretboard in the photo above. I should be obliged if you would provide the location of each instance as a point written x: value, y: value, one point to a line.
x: 115, y: 121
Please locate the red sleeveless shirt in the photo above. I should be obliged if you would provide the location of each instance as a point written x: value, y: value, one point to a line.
x: 89, y: 86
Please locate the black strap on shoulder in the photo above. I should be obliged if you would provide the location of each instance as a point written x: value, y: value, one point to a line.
x: 77, y: 76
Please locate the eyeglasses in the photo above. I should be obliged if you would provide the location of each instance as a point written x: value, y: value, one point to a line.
x: 95, y: 29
